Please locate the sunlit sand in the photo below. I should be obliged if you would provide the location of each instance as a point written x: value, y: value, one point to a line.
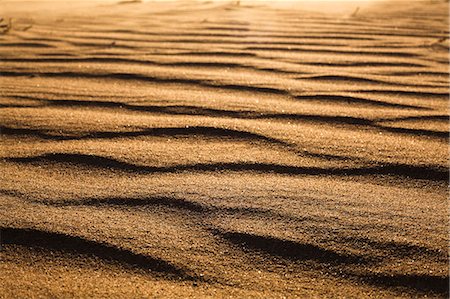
x: 192, y: 149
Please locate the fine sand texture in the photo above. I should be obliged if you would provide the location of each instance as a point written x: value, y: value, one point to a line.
x: 204, y: 149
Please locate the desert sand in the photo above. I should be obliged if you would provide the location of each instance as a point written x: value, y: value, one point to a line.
x: 205, y: 149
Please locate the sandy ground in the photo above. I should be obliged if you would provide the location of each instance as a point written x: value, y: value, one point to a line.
x: 208, y: 149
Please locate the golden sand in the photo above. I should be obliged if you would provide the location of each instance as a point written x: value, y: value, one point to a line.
x: 213, y: 149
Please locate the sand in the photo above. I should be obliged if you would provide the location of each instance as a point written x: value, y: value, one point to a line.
x: 207, y: 149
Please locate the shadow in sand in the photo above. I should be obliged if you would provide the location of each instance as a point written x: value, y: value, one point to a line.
x: 76, y: 245
x: 289, y: 249
x: 438, y: 285
x: 98, y: 162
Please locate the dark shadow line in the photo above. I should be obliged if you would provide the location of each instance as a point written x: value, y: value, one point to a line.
x: 155, y: 132
x: 438, y: 285
x: 98, y: 162
x: 364, y: 64
x: 77, y: 245
x: 333, y: 51
x: 416, y: 132
x: 443, y: 118
x: 419, y: 94
x: 26, y: 45
x: 392, y: 249
x: 140, y: 77
x: 290, y: 250
x: 338, y: 78
x: 356, y: 100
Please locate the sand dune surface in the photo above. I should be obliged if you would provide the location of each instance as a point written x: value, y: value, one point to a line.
x: 210, y: 149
